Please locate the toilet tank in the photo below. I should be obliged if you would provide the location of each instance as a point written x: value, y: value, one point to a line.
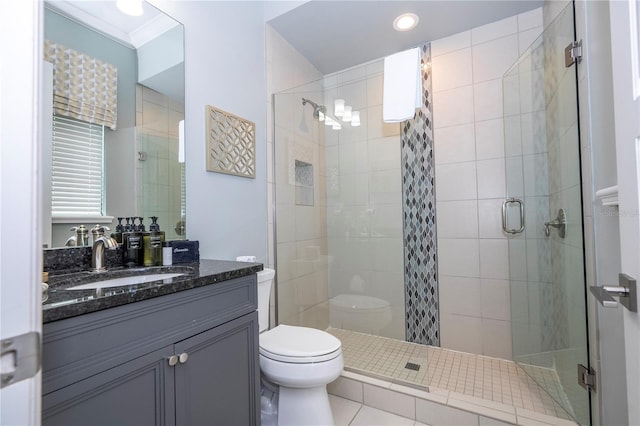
x: 265, y: 280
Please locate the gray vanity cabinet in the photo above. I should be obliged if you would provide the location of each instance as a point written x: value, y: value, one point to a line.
x: 139, y: 392
x: 222, y: 390
x: 189, y: 358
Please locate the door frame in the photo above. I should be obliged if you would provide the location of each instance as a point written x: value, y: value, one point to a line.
x: 624, y: 16
x: 20, y: 189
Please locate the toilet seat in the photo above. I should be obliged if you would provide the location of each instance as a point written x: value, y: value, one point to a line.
x: 299, y: 345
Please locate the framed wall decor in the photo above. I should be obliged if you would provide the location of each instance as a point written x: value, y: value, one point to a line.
x: 231, y: 143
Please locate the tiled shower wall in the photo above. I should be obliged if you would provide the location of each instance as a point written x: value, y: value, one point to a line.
x: 527, y: 171
x: 160, y: 176
x: 470, y: 181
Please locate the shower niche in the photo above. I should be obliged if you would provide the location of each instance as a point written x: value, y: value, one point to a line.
x: 304, y: 183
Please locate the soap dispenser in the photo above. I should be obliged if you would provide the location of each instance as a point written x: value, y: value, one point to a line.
x: 131, y: 245
x: 146, y: 243
x: 153, y: 251
x: 119, y: 230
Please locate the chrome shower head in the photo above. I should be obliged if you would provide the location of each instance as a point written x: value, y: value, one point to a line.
x: 317, y: 109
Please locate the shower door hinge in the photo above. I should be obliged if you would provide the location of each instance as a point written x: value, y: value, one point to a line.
x: 587, y: 378
x: 573, y: 53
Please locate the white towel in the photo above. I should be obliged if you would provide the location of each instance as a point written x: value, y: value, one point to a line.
x: 402, y: 86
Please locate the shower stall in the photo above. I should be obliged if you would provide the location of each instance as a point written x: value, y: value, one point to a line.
x: 357, y: 217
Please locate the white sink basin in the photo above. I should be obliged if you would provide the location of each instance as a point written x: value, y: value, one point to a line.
x: 132, y: 280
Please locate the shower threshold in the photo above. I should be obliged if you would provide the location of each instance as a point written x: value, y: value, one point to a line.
x: 490, y: 387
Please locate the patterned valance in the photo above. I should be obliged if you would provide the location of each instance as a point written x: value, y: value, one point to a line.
x: 84, y: 88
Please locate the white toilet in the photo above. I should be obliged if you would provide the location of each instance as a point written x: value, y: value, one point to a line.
x: 301, y: 361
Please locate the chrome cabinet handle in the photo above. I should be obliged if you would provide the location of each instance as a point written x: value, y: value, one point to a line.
x: 173, y: 360
x: 183, y: 357
x: 505, y: 225
x: 560, y: 223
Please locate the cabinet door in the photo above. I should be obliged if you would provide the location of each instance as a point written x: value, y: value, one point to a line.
x: 219, y: 383
x: 139, y: 392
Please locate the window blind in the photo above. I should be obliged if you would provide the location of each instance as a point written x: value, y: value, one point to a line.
x: 77, y: 168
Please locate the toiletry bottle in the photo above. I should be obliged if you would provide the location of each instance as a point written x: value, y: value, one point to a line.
x: 119, y: 229
x: 167, y: 254
x: 146, y: 242
x: 156, y: 238
x: 131, y: 246
x: 139, y: 228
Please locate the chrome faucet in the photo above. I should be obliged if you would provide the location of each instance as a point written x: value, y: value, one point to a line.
x: 100, y: 242
x: 80, y: 237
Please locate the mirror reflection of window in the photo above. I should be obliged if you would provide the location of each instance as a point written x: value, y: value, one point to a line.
x: 77, y: 168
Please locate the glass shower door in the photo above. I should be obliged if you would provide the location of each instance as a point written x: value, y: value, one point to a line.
x: 542, y: 216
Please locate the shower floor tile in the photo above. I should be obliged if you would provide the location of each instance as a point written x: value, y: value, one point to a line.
x: 478, y: 376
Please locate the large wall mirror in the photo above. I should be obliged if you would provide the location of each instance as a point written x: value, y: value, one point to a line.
x: 140, y: 172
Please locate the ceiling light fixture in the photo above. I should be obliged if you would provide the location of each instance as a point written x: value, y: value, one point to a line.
x: 346, y: 117
x: 355, y: 118
x: 338, y: 107
x: 405, y: 22
x: 130, y: 7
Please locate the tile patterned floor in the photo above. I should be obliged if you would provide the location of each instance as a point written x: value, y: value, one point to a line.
x: 473, y: 375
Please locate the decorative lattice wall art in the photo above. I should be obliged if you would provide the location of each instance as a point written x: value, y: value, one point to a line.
x: 231, y: 144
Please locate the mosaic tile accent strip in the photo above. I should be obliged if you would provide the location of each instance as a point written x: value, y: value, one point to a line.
x: 419, y: 218
x: 231, y: 144
x: 491, y: 379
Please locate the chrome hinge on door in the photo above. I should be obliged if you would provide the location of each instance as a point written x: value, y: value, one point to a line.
x: 573, y: 53
x: 587, y: 378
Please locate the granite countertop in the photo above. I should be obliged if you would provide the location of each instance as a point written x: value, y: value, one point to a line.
x: 60, y: 303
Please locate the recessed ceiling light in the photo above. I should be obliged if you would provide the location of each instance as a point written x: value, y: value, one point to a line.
x: 405, y: 22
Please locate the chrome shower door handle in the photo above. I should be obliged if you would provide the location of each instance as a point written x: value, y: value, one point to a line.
x: 560, y: 223
x: 505, y: 224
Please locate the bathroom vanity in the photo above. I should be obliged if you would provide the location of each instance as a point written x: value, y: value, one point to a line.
x: 178, y: 351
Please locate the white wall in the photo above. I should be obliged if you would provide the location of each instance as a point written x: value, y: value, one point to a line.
x: 225, y: 68
x: 470, y: 181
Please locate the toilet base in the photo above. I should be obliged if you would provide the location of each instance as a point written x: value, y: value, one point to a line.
x: 304, y: 407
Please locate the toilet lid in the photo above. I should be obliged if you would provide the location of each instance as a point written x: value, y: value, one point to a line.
x: 356, y: 302
x: 299, y: 344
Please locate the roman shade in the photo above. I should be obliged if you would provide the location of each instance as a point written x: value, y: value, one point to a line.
x: 84, y: 88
